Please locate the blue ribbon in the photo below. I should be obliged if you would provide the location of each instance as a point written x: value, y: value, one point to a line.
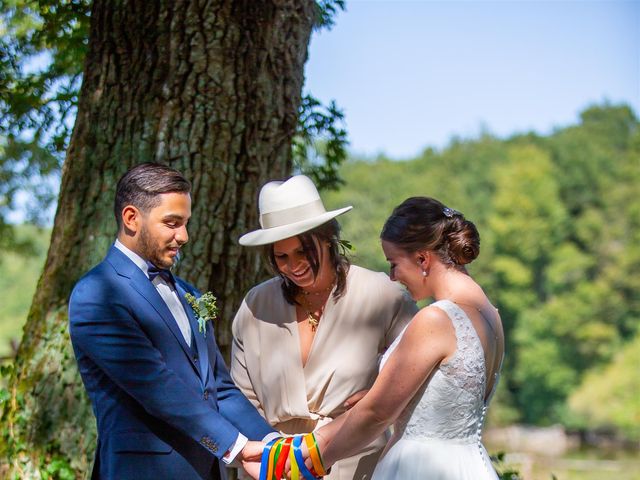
x: 264, y: 461
x: 297, y: 451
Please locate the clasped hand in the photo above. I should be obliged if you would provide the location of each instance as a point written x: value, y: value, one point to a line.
x: 250, y: 457
x: 252, y: 453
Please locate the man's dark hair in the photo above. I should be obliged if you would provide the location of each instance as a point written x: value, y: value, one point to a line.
x: 142, y: 185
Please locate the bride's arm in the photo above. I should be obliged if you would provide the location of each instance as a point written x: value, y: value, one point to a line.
x: 429, y: 339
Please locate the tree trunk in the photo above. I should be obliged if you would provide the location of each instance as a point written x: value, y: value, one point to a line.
x: 210, y: 88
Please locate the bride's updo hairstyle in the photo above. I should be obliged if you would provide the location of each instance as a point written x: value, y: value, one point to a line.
x: 423, y: 223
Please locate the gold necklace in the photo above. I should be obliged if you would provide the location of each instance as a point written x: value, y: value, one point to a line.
x: 312, y: 318
x: 324, y: 290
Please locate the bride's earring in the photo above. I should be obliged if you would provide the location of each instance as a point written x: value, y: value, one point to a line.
x: 425, y: 271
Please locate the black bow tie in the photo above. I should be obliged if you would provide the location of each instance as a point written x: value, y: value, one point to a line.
x: 154, y: 271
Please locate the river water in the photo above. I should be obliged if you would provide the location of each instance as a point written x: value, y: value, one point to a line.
x: 542, y: 453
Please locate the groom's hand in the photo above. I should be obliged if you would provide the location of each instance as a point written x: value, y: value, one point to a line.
x: 252, y: 469
x: 251, y: 452
x: 250, y: 457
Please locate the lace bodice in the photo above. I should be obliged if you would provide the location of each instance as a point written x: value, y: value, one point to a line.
x: 451, y: 404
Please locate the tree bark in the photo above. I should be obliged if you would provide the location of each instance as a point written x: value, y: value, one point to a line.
x: 211, y: 88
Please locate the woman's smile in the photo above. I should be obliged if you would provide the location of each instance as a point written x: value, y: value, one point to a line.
x: 301, y: 273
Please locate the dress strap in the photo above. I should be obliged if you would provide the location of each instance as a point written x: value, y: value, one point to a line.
x: 459, y: 318
x: 469, y: 354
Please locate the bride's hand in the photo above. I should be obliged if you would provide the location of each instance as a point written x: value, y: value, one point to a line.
x: 321, y: 441
x: 322, y: 445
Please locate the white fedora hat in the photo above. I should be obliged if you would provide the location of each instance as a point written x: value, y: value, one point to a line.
x: 288, y: 209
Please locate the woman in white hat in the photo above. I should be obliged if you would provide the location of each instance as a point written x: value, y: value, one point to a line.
x: 437, y: 379
x: 309, y: 339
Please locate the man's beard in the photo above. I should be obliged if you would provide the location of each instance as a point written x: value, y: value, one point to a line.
x: 150, y: 251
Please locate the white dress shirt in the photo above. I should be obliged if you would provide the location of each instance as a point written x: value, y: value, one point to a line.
x: 166, y: 291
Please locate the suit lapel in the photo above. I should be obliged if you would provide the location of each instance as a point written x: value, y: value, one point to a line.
x: 139, y: 281
x: 199, y: 336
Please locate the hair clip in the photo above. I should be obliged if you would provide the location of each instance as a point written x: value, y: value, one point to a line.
x: 450, y: 212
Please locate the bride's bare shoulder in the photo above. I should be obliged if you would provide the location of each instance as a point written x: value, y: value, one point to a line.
x: 430, y: 325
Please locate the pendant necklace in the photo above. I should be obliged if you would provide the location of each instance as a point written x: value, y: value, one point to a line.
x: 324, y: 290
x: 312, y: 318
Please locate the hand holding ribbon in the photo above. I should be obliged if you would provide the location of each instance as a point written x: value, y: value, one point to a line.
x: 250, y: 457
x: 300, y: 453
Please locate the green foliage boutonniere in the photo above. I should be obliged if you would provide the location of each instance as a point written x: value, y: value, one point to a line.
x: 205, y: 309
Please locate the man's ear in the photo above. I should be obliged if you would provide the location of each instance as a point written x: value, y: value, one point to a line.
x: 131, y: 219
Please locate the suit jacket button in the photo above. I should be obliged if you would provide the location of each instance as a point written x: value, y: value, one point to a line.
x: 206, y: 394
x: 210, y: 444
x: 195, y: 358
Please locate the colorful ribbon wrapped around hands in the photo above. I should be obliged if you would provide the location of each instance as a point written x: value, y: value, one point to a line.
x: 277, y: 451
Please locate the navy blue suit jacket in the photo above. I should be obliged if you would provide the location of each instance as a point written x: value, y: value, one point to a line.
x: 163, y: 409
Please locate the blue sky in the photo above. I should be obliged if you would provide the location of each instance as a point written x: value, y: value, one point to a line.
x: 411, y: 74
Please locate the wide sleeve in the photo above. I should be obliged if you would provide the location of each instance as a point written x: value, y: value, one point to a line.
x: 402, y: 307
x: 239, y: 370
x: 234, y: 405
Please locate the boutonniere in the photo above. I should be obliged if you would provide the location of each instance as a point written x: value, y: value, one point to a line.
x: 205, y: 309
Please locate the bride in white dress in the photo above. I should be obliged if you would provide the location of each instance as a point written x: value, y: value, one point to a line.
x: 437, y: 379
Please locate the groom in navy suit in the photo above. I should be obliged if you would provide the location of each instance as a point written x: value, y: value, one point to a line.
x: 165, y: 405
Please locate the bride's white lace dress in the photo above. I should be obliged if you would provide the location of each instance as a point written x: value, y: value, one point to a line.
x: 438, y: 436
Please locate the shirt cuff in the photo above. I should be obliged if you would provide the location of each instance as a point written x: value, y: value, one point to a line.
x: 235, y: 449
x: 270, y: 436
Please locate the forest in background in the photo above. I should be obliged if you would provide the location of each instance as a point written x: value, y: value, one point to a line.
x: 559, y: 221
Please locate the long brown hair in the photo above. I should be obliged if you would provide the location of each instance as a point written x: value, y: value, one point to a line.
x: 327, y: 232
